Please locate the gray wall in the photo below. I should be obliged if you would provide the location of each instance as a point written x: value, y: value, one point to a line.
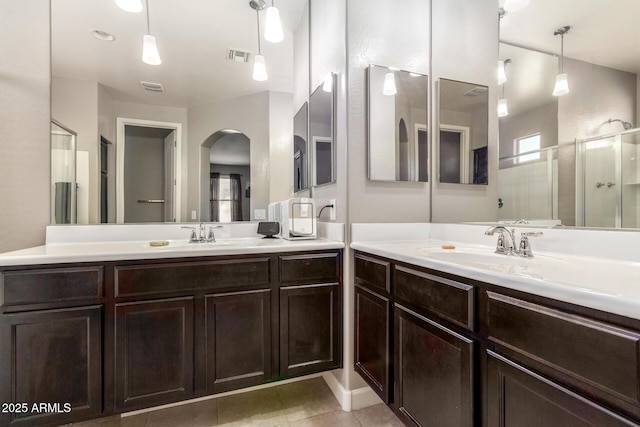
x: 543, y: 120
x: 25, y: 77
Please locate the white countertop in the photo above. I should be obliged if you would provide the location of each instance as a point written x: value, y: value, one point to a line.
x: 54, y: 253
x: 602, y: 284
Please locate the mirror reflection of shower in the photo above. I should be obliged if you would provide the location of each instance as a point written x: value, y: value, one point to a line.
x: 608, y: 180
x: 63, y: 175
x: 626, y: 125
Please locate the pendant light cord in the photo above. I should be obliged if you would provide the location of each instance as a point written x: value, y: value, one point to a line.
x: 148, y: 26
x: 562, y: 53
x: 258, y: 19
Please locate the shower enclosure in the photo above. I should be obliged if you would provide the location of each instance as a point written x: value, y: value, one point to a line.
x: 63, y: 174
x: 607, y: 180
x: 528, y: 185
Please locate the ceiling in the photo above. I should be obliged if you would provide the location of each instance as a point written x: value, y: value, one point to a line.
x: 604, y: 33
x: 192, y: 36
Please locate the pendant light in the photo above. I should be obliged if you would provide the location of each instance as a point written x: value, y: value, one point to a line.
x: 562, y: 82
x: 273, y: 26
x: 150, y: 53
x: 503, y: 108
x: 132, y: 6
x: 389, y: 86
x: 259, y: 67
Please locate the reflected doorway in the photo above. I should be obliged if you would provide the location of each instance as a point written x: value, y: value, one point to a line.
x: 147, y: 172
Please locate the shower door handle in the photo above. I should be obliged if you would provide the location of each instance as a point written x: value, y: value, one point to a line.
x: 610, y: 184
x: 599, y: 184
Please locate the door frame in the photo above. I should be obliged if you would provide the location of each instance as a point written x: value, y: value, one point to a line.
x: 121, y: 122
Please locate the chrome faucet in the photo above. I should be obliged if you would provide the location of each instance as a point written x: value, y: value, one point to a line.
x: 506, y: 244
x: 506, y: 241
x: 201, y: 235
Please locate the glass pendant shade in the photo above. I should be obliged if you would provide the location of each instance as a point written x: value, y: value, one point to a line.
x: 327, y: 86
x: 503, y: 109
x: 133, y: 6
x: 389, y: 87
x: 502, y: 75
x: 562, y: 85
x: 273, y: 26
x: 259, y: 69
x: 150, y: 53
x: 514, y: 5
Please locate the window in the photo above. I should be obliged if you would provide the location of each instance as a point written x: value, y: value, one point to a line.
x: 224, y: 200
x: 526, y: 145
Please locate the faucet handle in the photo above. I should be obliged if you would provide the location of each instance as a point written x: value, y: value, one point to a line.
x: 524, y: 249
x: 194, y: 236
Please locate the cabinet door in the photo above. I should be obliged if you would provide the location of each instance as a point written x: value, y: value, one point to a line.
x: 518, y: 397
x: 310, y: 329
x: 51, y: 358
x: 433, y: 372
x: 238, y: 333
x: 372, y: 340
x: 153, y: 352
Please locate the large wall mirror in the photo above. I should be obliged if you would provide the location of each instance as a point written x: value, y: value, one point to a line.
x: 572, y: 158
x: 463, y: 132
x: 321, y: 132
x: 398, y: 138
x: 188, y: 138
x: 301, y: 149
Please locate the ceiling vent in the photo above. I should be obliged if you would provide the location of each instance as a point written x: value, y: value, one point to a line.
x: 153, y: 87
x: 478, y: 90
x: 236, y: 55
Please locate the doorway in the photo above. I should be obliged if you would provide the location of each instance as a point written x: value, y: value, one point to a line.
x: 454, y: 154
x: 148, y: 171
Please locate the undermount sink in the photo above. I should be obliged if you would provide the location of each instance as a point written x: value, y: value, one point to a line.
x: 184, y: 244
x: 487, y: 259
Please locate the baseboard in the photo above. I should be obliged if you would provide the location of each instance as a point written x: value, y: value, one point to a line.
x: 351, y: 400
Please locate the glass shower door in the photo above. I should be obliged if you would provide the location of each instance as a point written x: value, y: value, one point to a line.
x: 63, y: 175
x: 600, y: 189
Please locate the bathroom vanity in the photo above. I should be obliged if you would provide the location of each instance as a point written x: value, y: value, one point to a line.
x: 122, y: 331
x: 448, y: 344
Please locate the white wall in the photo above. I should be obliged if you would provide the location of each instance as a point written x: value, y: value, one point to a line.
x: 390, y: 34
x: 74, y: 103
x: 280, y: 146
x: 25, y: 125
x: 382, y: 129
x: 543, y: 120
x: 465, y: 48
x: 301, y: 61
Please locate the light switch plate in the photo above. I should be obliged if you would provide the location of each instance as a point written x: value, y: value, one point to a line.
x: 259, y: 214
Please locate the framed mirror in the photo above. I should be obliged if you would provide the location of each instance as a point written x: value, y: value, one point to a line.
x: 463, y: 132
x: 301, y: 149
x: 398, y: 138
x: 321, y: 132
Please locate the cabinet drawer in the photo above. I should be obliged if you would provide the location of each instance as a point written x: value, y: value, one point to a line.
x: 449, y: 299
x: 309, y: 268
x: 51, y: 285
x: 601, y: 355
x: 373, y: 273
x: 157, y: 278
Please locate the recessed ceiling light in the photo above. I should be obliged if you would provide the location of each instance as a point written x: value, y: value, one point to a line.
x: 103, y: 35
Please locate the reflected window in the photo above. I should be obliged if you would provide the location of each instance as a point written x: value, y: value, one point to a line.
x: 525, y: 145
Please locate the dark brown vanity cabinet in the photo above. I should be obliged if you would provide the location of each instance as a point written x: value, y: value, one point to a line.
x: 153, y: 352
x: 468, y: 353
x: 310, y: 314
x: 50, y: 345
x: 126, y: 335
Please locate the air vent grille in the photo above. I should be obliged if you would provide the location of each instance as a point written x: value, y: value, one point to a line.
x: 153, y: 87
x: 237, y: 55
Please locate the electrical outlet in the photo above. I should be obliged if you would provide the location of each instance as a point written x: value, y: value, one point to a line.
x: 193, y: 215
x: 259, y: 214
x: 332, y: 211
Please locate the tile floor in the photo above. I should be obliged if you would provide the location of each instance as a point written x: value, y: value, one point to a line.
x: 300, y: 404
